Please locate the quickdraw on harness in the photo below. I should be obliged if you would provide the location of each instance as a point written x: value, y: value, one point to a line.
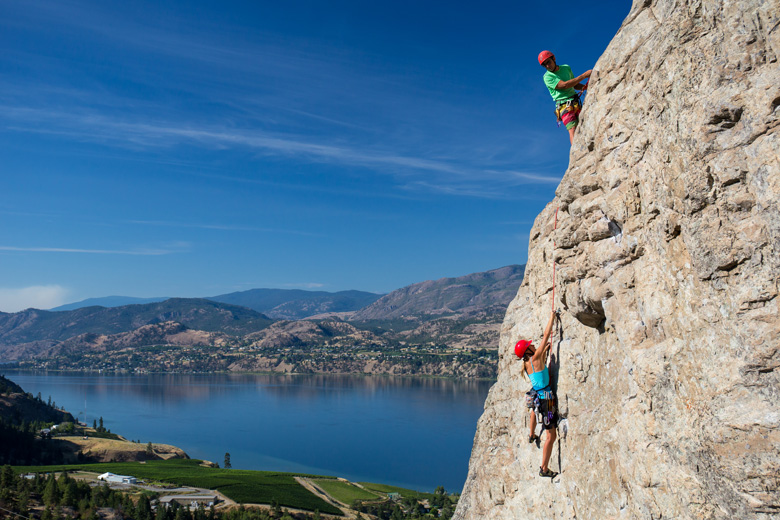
x: 543, y: 402
x: 570, y: 105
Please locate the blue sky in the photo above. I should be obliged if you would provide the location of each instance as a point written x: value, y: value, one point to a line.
x: 198, y: 148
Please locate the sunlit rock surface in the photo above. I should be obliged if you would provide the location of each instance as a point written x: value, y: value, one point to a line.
x: 668, y: 257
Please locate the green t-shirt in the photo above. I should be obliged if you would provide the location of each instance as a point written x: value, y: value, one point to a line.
x: 551, y: 79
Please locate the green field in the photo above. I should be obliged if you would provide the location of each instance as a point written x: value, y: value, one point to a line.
x: 406, y: 493
x: 243, y: 486
x: 344, y: 492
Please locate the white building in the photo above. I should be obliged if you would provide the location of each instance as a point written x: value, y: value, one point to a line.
x: 190, y: 501
x: 119, y: 479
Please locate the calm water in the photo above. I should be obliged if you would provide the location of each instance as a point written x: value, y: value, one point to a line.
x: 414, y: 433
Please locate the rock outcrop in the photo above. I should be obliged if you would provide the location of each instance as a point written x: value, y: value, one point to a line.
x: 668, y: 235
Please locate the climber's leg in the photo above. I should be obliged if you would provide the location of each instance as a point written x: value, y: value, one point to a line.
x: 547, y: 450
x: 532, y: 435
x: 571, y: 118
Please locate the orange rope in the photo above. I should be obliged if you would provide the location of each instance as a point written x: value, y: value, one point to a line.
x: 552, y: 335
x: 553, y: 259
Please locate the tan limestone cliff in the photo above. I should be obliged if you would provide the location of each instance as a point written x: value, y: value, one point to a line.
x: 668, y: 243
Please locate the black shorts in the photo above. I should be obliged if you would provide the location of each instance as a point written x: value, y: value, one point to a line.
x: 548, y: 409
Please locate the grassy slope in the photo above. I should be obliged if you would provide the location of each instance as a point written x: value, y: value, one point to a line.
x: 243, y: 486
x: 345, y: 492
x: 406, y: 493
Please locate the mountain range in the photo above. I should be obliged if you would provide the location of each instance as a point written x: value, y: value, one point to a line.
x: 463, y: 294
x: 279, y: 304
x: 297, y: 304
x: 463, y: 312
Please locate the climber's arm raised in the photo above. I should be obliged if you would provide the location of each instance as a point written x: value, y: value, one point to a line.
x: 541, y: 352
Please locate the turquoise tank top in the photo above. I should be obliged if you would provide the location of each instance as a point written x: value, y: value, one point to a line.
x: 539, y: 379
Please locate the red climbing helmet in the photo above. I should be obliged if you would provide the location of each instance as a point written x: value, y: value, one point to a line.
x: 521, y: 346
x: 545, y: 55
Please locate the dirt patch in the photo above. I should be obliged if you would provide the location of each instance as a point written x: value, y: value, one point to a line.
x: 110, y: 450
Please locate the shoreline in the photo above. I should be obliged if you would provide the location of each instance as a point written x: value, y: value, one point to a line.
x: 231, y: 372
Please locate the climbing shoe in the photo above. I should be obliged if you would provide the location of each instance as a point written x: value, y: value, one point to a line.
x: 547, y: 473
x: 532, y: 439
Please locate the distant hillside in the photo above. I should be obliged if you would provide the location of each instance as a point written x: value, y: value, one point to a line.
x: 281, y: 304
x: 32, y: 331
x: 18, y: 407
x: 462, y: 295
x: 296, y: 304
x: 21, y: 415
x: 396, y: 333
x: 107, y: 301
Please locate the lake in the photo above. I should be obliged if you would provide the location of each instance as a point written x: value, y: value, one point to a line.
x: 410, y: 432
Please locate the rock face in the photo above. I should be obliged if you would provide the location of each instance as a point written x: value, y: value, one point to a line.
x: 668, y: 242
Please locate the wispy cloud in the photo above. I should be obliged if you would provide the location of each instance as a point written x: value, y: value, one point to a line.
x: 136, y: 252
x: 36, y: 296
x: 220, y: 227
x: 276, y: 98
x: 448, y: 176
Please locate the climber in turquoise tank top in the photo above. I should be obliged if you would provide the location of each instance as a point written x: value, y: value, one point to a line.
x: 535, y: 368
x: 540, y: 380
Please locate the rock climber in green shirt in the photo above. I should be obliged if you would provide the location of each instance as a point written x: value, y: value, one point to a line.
x: 564, y: 88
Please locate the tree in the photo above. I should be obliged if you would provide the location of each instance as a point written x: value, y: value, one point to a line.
x: 70, y: 494
x: 150, y: 449
x: 5, y: 496
x: 227, y: 461
x: 22, y: 502
x: 94, y: 424
x: 7, y: 477
x: 143, y: 509
x: 100, y: 426
x: 162, y: 513
x: 182, y: 514
x: 51, y: 494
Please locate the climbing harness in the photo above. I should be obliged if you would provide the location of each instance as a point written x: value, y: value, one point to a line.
x: 543, y: 402
x: 548, y: 405
x: 570, y: 105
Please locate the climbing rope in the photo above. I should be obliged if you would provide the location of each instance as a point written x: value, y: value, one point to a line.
x: 552, y: 334
x: 555, y: 227
x: 555, y: 327
x: 584, y: 88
